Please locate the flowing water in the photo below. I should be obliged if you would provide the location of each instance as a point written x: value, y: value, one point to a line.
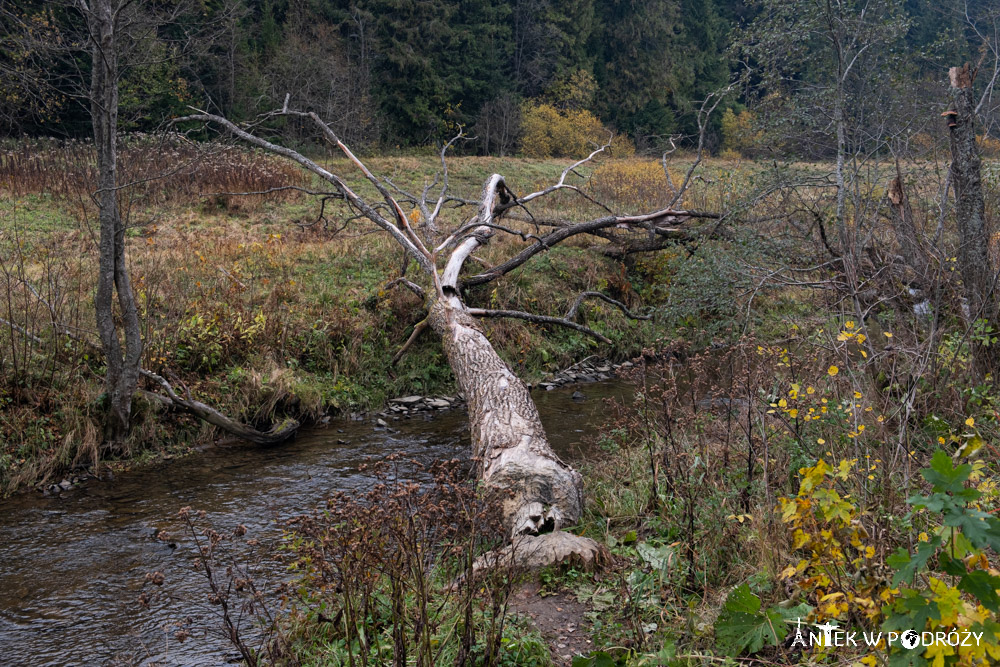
x: 72, y: 566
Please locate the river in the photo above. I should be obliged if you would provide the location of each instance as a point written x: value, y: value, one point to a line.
x: 72, y: 565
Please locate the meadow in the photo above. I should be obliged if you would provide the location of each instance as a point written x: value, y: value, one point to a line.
x: 266, y: 305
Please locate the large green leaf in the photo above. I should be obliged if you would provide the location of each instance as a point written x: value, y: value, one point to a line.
x: 595, y: 659
x: 983, y: 586
x: 658, y: 557
x: 906, y: 565
x: 944, y: 475
x: 742, y: 627
x: 912, y: 612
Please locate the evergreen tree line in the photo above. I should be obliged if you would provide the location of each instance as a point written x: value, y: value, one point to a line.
x: 388, y: 73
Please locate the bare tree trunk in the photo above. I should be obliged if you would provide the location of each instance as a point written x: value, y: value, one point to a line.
x: 905, y: 229
x: 122, y: 373
x: 846, y: 245
x: 978, y: 275
x: 973, y: 251
x: 508, y: 439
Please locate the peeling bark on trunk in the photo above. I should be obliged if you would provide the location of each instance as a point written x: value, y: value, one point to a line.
x: 508, y: 439
x: 543, y: 494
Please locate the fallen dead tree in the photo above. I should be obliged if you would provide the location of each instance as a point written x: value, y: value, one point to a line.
x: 540, y: 493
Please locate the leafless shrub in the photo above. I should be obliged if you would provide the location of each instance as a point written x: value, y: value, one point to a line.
x: 390, y: 571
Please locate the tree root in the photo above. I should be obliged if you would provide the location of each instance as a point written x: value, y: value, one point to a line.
x: 534, y: 552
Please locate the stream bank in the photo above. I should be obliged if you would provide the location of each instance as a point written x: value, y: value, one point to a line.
x: 72, y: 565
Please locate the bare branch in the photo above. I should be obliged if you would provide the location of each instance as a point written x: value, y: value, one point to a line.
x: 457, y: 234
x: 495, y: 194
x: 571, y: 313
x: 231, y: 277
x: 422, y: 326
x: 537, y: 319
x: 21, y: 330
x: 401, y: 237
x: 408, y: 284
x: 666, y: 171
x: 402, y: 221
x: 704, y: 113
x: 562, y: 233
x: 432, y: 218
x: 278, y: 434
x: 281, y: 188
x: 562, y: 185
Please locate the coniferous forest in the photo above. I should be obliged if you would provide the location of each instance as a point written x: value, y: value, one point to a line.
x: 389, y: 75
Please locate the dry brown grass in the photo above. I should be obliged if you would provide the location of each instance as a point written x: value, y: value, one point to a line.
x: 157, y: 170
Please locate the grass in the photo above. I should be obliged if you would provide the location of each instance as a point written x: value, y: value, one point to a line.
x: 255, y: 310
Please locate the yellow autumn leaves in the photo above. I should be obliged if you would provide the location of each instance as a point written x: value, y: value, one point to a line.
x: 826, y: 529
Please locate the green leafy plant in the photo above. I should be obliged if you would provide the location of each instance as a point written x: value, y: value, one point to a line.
x: 743, y: 626
x: 953, y: 587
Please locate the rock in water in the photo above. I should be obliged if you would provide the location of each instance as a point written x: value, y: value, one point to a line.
x: 407, y: 400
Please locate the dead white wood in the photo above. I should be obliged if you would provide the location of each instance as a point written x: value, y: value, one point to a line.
x: 349, y: 195
x: 907, y: 236
x: 540, y: 493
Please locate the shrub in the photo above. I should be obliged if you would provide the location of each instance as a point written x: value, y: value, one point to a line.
x: 958, y: 595
x: 634, y: 184
x: 945, y: 587
x: 388, y: 574
x: 835, y: 572
x: 740, y: 132
x: 549, y: 132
